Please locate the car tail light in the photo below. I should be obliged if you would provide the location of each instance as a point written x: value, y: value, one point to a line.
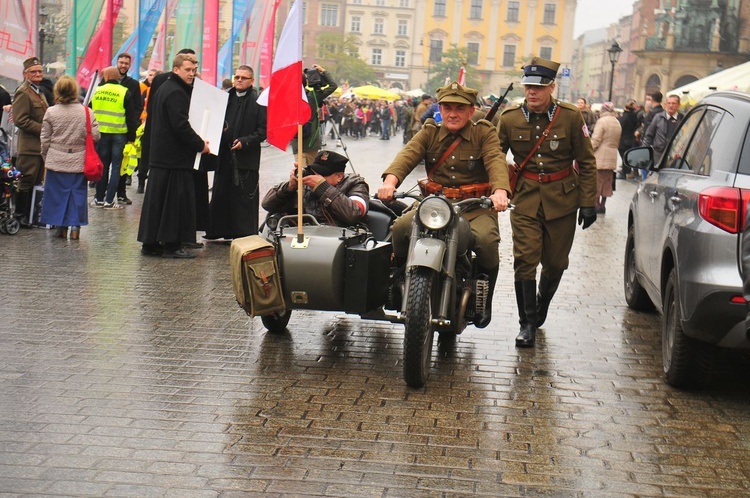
x: 725, y: 207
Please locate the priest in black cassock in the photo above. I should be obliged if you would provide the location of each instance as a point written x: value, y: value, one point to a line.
x: 235, y: 200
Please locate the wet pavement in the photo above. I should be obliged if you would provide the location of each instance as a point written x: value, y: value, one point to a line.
x: 124, y: 375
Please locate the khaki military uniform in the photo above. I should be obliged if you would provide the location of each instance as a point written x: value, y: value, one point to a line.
x: 28, y: 112
x: 477, y: 159
x: 544, y: 218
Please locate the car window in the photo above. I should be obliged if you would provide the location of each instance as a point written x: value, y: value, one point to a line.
x: 675, y: 154
x: 700, y: 155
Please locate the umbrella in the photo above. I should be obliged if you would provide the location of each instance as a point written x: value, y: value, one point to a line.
x: 374, y: 92
x: 417, y: 92
x: 733, y: 78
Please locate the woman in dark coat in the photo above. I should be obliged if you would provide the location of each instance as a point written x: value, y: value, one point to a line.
x: 235, y: 200
x: 629, y: 123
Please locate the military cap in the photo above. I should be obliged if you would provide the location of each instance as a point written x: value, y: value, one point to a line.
x: 457, y: 93
x: 31, y: 61
x: 328, y: 162
x: 539, y: 72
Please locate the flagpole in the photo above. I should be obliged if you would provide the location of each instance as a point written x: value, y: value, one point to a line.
x: 300, y: 186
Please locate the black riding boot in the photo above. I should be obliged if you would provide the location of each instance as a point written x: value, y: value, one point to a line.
x: 526, y: 289
x: 547, y: 289
x: 482, y: 320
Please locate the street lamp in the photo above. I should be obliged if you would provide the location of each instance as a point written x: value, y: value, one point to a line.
x: 614, y: 54
x: 43, y: 35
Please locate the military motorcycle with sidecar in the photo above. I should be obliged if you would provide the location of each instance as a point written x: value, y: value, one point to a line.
x: 352, y: 270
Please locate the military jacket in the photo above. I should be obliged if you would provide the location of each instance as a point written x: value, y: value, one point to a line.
x: 477, y: 159
x: 28, y: 112
x: 567, y: 141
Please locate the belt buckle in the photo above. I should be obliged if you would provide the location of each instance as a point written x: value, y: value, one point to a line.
x: 541, y: 176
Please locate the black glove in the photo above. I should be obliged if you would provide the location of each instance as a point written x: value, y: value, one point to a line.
x: 586, y: 217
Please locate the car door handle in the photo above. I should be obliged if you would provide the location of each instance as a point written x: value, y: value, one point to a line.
x: 653, y: 194
x: 675, y: 199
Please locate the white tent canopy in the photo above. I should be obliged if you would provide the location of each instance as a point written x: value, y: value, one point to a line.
x: 734, y: 78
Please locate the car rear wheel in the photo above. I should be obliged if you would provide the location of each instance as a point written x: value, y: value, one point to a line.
x: 687, y: 362
x: 635, y: 295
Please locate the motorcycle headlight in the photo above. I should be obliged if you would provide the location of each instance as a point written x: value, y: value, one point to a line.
x: 435, y: 213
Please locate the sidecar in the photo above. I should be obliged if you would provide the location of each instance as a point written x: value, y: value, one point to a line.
x: 331, y: 268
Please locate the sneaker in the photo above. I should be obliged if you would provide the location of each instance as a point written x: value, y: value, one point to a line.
x: 124, y: 200
x: 112, y: 206
x: 96, y: 204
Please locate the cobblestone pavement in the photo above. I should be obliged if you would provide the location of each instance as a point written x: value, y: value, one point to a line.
x: 123, y: 375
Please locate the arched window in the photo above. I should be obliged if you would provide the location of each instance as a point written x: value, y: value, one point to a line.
x: 653, y: 84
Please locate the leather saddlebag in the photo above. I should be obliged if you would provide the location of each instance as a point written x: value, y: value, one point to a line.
x: 255, y: 276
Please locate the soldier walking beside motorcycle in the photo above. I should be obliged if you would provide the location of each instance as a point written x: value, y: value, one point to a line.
x: 462, y: 161
x: 546, y: 136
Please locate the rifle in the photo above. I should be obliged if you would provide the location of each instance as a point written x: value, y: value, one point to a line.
x: 497, y: 104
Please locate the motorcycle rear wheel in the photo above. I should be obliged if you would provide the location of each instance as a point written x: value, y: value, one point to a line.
x: 276, y: 323
x: 419, y: 334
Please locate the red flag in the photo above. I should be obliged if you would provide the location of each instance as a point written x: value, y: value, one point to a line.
x: 267, y: 46
x: 99, y: 54
x: 462, y: 76
x: 285, y: 96
x: 210, y: 41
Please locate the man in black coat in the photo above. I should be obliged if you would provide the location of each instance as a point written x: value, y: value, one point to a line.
x: 233, y: 211
x: 168, y: 215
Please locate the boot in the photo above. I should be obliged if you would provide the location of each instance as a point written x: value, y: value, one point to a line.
x: 547, y: 289
x: 526, y: 289
x: 141, y: 185
x: 483, y: 319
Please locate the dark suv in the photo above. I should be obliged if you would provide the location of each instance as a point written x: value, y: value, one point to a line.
x: 685, y: 223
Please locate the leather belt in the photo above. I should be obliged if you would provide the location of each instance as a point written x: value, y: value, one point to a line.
x: 547, y: 177
x: 454, y: 193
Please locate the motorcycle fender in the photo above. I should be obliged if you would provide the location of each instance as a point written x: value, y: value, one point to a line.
x: 428, y: 253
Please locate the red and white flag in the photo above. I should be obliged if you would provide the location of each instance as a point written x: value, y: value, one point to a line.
x: 285, y: 96
x: 462, y: 76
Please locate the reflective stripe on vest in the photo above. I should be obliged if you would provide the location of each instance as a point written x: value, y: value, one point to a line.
x: 108, y: 103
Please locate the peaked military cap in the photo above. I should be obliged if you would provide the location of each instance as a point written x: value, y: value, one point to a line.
x: 539, y: 72
x: 31, y: 61
x: 457, y: 93
x: 328, y: 162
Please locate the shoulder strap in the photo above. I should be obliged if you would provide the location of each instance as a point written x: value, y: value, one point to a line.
x: 88, y: 120
x: 541, y: 139
x: 445, y: 155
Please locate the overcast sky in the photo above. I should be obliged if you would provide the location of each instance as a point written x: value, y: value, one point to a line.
x: 593, y: 14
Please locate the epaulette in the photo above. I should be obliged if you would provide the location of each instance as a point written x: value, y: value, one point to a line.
x: 568, y: 106
x: 430, y: 122
x: 484, y: 122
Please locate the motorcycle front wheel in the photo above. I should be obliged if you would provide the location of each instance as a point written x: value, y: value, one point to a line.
x: 419, y: 334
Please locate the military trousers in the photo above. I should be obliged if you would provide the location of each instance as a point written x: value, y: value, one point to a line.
x: 484, y: 229
x: 537, y: 240
x: 32, y: 168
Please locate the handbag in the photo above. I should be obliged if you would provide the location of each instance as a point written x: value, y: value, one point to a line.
x: 514, y: 170
x: 92, y: 164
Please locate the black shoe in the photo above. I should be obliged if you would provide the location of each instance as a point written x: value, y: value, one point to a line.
x: 124, y: 200
x: 192, y: 245
x: 152, y: 250
x: 178, y: 254
x: 139, y: 190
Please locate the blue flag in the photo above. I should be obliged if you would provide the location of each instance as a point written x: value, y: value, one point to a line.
x: 240, y: 13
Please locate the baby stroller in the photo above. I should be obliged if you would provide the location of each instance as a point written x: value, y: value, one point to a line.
x: 9, y: 178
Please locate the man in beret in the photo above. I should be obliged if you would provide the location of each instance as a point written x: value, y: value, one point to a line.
x: 29, y: 106
x: 332, y: 196
x: 474, y: 161
x: 550, y: 190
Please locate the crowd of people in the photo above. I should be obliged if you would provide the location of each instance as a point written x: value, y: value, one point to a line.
x: 566, y: 159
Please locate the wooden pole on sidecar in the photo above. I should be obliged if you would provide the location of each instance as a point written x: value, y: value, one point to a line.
x: 300, y: 185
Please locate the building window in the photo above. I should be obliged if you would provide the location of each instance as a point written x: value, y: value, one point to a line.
x: 509, y: 55
x: 357, y: 2
x: 439, y: 9
x: 513, y: 11
x: 377, y: 57
x: 378, y: 27
x: 476, y: 9
x: 356, y: 24
x: 546, y: 53
x: 436, y: 50
x: 403, y: 27
x: 380, y: 3
x: 329, y: 14
x: 400, y: 58
x: 549, y: 13
x: 404, y: 4
x: 472, y: 53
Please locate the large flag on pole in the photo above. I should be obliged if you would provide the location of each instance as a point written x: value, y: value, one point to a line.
x: 241, y: 10
x: 252, y: 41
x: 285, y: 96
x: 18, y: 36
x: 99, y: 52
x: 137, y: 43
x: 210, y: 41
x: 266, y: 50
x: 158, y: 53
x: 85, y: 15
x: 189, y: 27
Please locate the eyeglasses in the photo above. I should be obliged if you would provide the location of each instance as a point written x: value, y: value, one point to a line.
x: 242, y: 78
x: 35, y: 71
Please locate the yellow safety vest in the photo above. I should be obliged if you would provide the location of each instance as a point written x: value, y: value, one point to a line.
x: 108, y: 103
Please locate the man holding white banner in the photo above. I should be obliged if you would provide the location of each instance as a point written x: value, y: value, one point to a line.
x: 168, y: 216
